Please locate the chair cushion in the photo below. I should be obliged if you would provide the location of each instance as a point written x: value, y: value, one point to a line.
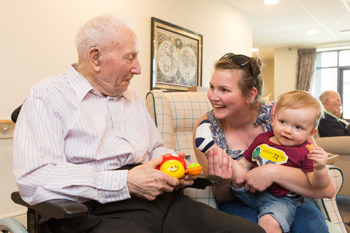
x: 332, y: 228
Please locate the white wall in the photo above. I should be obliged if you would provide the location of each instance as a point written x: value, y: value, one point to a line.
x: 37, y: 40
x: 37, y: 37
x: 285, y: 70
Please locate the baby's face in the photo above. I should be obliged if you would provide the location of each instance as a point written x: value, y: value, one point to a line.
x: 293, y: 126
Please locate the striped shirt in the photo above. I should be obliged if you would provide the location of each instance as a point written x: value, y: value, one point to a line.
x: 69, y: 139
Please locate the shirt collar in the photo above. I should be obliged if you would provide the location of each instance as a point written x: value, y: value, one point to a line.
x: 80, y: 85
x: 329, y: 113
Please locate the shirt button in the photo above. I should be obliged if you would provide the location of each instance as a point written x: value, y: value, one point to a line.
x: 116, y: 121
x: 138, y: 159
x: 114, y: 184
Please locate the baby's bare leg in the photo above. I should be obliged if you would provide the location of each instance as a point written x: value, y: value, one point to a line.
x: 269, y: 224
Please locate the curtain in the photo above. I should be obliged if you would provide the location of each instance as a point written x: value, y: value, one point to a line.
x: 305, y: 68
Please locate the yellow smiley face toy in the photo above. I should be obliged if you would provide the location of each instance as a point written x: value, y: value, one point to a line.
x: 175, y: 166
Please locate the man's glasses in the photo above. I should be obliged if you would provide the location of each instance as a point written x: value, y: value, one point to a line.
x: 240, y: 60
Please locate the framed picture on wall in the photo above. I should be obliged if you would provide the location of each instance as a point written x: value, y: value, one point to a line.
x: 176, y: 57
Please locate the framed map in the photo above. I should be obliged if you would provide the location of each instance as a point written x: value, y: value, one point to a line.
x: 176, y: 57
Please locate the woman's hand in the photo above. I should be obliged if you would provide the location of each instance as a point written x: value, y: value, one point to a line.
x: 218, y: 168
x: 223, y: 191
x: 293, y: 179
x: 258, y: 179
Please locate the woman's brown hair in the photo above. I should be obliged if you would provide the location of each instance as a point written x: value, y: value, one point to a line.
x: 246, y: 81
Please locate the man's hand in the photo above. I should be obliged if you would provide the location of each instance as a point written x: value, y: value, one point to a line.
x: 347, y: 127
x: 187, y: 180
x: 146, y: 182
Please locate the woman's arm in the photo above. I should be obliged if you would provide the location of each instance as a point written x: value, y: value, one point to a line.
x: 218, y: 164
x: 289, y: 178
x: 201, y: 157
x: 223, y: 191
x: 240, y: 168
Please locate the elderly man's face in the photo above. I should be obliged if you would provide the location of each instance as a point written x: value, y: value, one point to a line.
x: 119, y: 64
x: 334, y: 103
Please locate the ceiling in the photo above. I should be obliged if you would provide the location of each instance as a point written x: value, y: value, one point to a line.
x: 286, y: 23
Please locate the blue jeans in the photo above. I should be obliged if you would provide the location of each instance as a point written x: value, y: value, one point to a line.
x: 308, y: 218
x: 282, y: 208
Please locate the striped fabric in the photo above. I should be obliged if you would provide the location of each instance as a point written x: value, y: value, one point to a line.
x: 176, y: 114
x: 69, y: 139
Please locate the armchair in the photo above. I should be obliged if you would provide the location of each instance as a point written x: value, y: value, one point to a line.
x: 341, y: 146
x: 176, y: 114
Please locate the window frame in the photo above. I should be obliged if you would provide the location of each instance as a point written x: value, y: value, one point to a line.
x: 340, y: 88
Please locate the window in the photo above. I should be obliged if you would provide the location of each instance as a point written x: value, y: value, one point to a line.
x: 333, y: 73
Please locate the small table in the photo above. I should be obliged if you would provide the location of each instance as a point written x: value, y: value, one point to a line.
x: 332, y: 158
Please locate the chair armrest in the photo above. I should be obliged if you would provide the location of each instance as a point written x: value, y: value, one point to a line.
x: 329, y: 207
x: 205, y: 180
x: 58, y: 209
x: 336, y: 145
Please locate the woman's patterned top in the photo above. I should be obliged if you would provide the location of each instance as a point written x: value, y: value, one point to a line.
x: 264, y: 119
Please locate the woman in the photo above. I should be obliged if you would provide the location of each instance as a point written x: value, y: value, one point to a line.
x: 239, y: 115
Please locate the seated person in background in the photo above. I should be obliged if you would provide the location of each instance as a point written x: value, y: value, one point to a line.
x: 330, y: 125
x: 84, y: 136
x: 294, y: 121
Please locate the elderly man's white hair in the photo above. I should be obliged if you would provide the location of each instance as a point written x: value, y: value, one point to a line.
x: 325, y: 94
x: 98, y: 32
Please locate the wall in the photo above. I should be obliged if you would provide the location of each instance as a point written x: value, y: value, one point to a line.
x: 38, y: 36
x: 285, y: 70
x: 37, y: 39
x: 268, y: 74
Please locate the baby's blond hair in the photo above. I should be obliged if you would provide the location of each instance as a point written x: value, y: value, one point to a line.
x: 300, y: 99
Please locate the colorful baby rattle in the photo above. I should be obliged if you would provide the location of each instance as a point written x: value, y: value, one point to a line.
x: 175, y: 166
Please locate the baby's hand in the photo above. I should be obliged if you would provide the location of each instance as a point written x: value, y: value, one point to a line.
x: 319, y: 156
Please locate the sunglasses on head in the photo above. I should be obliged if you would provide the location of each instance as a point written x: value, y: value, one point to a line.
x: 240, y: 60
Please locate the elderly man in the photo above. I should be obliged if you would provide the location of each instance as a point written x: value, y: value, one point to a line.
x: 330, y: 125
x: 84, y: 136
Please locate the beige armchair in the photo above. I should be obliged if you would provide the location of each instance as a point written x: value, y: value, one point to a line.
x: 340, y: 146
x: 176, y: 114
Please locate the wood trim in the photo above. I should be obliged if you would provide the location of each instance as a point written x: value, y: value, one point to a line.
x: 6, y: 122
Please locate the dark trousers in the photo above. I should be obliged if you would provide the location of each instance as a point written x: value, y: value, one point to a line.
x: 170, y: 212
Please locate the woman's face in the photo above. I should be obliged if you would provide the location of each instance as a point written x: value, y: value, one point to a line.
x: 224, y: 93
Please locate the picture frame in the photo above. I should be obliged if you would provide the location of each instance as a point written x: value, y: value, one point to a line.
x: 176, y: 57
